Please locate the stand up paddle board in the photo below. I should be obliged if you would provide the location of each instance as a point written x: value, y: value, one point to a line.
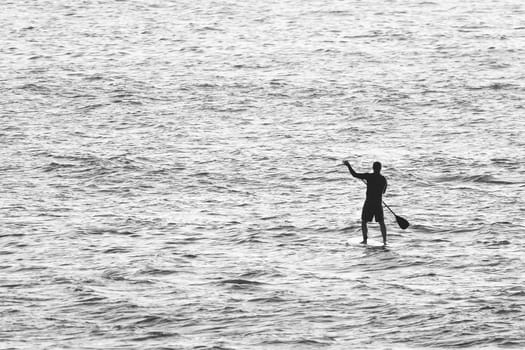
x: 370, y: 243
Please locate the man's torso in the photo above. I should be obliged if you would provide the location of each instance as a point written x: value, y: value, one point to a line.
x: 375, y: 185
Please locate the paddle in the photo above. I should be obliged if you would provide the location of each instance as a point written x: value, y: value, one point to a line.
x: 402, y: 222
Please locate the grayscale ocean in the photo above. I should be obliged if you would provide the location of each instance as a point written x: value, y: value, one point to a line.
x: 170, y: 174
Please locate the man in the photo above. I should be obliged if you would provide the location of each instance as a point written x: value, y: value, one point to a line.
x: 373, y: 207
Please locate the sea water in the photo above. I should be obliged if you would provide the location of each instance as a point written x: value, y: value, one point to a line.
x: 171, y: 179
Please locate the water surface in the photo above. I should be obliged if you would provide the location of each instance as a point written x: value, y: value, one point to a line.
x: 170, y: 178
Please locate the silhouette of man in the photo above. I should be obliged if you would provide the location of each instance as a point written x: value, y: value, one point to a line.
x: 373, y: 207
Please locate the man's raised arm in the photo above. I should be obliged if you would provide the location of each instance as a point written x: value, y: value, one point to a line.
x: 354, y: 174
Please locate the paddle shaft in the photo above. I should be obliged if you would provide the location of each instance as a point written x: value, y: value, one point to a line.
x: 389, y: 208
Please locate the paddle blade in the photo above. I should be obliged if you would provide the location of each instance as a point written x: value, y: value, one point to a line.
x: 402, y: 222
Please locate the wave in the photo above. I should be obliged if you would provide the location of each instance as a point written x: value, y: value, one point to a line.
x: 240, y: 281
x: 108, y: 231
x: 155, y: 335
x: 488, y: 179
x: 35, y: 88
x: 90, y: 167
x: 495, y: 86
x: 298, y: 343
x: 267, y: 300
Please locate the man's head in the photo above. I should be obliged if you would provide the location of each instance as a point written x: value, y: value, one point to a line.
x: 377, y: 167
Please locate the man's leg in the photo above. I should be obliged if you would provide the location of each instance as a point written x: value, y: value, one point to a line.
x: 383, y: 230
x: 364, y: 218
x: 365, y: 231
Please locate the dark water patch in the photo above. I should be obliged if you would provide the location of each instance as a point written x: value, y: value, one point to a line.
x: 419, y: 275
x: 489, y: 179
x: 63, y: 280
x: 157, y: 271
x: 155, y: 335
x: 91, y: 166
x: 116, y: 250
x: 2, y: 235
x: 16, y: 285
x: 202, y: 174
x: 415, y: 227
x: 513, y: 342
x: 494, y: 243
x: 91, y: 301
x: 464, y: 340
x: 107, y: 231
x: 507, y: 163
x: 92, y: 106
x: 440, y: 240
x: 484, y: 179
x: 211, y: 347
x: 371, y: 35
x: 511, y: 309
x: 95, y: 77
x: 154, y: 320
x: 230, y: 109
x: 495, y: 86
x: 250, y: 240
x: 114, y: 275
x: 240, y: 281
x: 271, y: 217
x: 297, y: 343
x: 35, y: 88
x: 127, y: 101
x: 185, y: 240
x: 36, y: 57
x: 135, y: 320
x: 16, y: 245
x: 57, y: 166
x: 143, y: 282
x: 259, y: 273
x: 283, y: 228
x: 206, y: 86
x: 274, y: 299
x: 516, y: 291
x: 412, y: 290
x: 31, y: 268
